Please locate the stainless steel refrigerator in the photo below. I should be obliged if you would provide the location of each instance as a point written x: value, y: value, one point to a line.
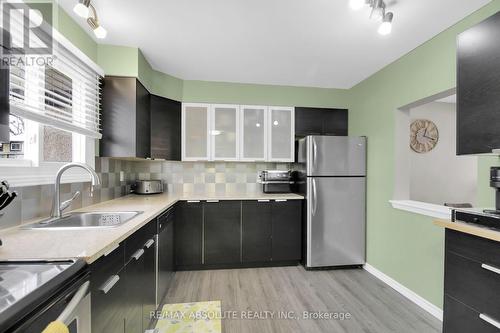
x: 333, y: 177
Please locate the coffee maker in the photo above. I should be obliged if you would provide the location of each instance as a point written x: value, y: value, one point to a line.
x: 495, y: 183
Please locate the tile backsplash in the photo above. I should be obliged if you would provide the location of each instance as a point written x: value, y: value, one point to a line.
x: 118, y: 175
x: 205, y: 177
x: 36, y: 201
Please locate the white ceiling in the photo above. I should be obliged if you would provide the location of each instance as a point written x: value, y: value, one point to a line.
x: 317, y: 43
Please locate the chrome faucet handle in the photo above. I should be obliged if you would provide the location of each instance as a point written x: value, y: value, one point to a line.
x: 67, y: 203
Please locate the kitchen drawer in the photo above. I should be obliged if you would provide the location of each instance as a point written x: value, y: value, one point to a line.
x: 473, y: 247
x: 137, y: 240
x: 458, y: 318
x: 106, y: 266
x: 472, y: 284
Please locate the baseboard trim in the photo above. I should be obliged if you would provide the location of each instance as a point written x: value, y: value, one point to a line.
x: 411, y: 295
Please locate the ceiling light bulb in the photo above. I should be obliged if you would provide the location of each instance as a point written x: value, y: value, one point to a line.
x: 356, y: 4
x: 82, y: 8
x: 386, y: 26
x: 100, y: 32
x: 275, y: 123
x: 258, y: 124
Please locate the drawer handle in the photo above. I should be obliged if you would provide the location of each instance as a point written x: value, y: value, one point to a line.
x: 491, y: 268
x: 263, y: 200
x: 149, y: 243
x: 193, y: 201
x: 138, y: 254
x: 281, y: 200
x: 490, y: 320
x: 212, y: 201
x: 110, y: 283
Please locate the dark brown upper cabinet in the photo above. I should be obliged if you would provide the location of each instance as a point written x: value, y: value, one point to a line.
x: 126, y: 121
x: 478, y: 88
x: 320, y: 121
x: 165, y: 128
x: 138, y: 124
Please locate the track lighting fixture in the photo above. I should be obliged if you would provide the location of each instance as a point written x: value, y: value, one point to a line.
x: 378, y: 13
x: 85, y: 9
x: 93, y: 22
x: 82, y: 8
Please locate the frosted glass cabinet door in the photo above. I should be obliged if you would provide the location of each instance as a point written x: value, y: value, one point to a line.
x: 225, y: 132
x: 195, y: 129
x: 254, y: 134
x: 281, y: 134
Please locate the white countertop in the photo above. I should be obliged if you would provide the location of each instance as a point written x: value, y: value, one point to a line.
x: 90, y: 244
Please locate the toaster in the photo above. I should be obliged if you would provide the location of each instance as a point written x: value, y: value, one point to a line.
x: 147, y: 187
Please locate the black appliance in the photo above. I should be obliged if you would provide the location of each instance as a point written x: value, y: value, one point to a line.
x: 35, y: 293
x: 276, y: 181
x: 4, y: 89
x: 165, y: 255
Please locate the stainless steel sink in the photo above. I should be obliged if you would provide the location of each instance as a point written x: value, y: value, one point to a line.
x: 86, y: 220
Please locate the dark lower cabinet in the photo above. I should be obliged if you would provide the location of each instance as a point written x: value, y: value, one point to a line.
x: 188, y: 233
x: 166, y: 253
x: 222, y: 232
x: 287, y: 230
x: 471, y: 281
x: 256, y: 224
x: 135, y: 291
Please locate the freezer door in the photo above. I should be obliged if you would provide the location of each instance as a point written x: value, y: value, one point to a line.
x: 335, y: 221
x: 335, y: 155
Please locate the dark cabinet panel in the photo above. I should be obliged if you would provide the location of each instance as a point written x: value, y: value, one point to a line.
x: 473, y: 247
x: 256, y: 224
x: 143, y: 122
x: 459, y: 318
x: 149, y: 281
x: 125, y: 118
x: 320, y: 121
x: 165, y: 128
x: 188, y: 233
x: 287, y: 230
x: 222, y: 232
x: 478, y: 88
x: 134, y: 298
x: 166, y: 254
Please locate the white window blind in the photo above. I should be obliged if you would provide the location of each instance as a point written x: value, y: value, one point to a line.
x: 63, y: 91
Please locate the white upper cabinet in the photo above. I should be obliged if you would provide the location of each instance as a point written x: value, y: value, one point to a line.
x: 281, y: 136
x: 253, y: 133
x: 195, y: 131
x: 224, y: 132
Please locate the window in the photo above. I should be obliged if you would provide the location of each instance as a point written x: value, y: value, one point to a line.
x: 55, y: 105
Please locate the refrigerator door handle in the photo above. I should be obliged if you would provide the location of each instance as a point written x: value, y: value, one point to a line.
x: 314, y: 197
x: 315, y: 151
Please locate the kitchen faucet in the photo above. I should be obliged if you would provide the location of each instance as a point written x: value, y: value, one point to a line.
x: 58, y: 207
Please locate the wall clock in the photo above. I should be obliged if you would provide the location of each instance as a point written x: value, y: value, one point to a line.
x: 424, y: 135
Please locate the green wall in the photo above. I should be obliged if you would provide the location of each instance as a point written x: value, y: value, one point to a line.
x: 405, y: 246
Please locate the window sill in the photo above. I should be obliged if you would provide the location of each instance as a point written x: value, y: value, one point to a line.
x: 422, y: 208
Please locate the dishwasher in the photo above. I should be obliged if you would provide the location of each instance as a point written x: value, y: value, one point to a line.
x: 164, y: 255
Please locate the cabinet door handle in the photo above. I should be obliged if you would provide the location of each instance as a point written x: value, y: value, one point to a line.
x: 109, y: 284
x: 149, y: 243
x: 490, y: 320
x: 212, y: 201
x: 263, y: 200
x: 490, y: 268
x: 138, y: 254
x: 281, y: 200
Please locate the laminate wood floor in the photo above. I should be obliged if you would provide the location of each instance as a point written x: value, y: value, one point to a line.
x: 372, y: 305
